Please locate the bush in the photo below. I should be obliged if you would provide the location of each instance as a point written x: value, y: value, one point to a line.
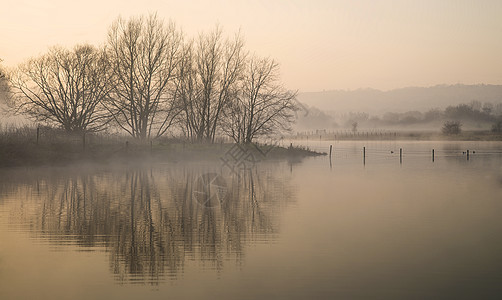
x: 497, y: 127
x: 451, y: 127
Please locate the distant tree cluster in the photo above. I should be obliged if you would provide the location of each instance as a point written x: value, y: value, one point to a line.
x: 314, y: 118
x: 149, y: 79
x: 475, y: 114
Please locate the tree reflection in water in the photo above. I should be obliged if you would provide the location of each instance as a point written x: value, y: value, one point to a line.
x: 152, y: 221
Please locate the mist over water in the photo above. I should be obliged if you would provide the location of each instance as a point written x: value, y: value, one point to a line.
x: 189, y: 150
x: 386, y: 228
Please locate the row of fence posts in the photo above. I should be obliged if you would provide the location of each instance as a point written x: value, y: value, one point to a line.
x: 83, y: 138
x: 400, y: 155
x: 84, y: 142
x: 346, y: 134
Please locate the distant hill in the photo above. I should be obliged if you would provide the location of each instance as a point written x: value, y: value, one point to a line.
x: 401, y: 100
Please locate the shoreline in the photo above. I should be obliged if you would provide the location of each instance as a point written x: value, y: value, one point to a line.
x: 31, y: 154
x: 25, y: 148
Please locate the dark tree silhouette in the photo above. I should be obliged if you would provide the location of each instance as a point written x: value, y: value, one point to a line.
x: 262, y: 106
x: 148, y: 80
x: 207, y: 82
x: 143, y: 54
x: 65, y: 88
x: 4, y: 85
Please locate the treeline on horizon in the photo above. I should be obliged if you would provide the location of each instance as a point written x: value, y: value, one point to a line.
x: 150, y: 80
x: 476, y: 115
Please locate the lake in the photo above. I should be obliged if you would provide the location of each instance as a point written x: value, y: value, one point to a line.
x: 350, y: 227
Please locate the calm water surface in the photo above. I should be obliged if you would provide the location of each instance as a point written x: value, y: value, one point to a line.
x: 311, y: 229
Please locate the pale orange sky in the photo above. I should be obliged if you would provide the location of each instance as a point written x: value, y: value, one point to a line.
x: 320, y: 45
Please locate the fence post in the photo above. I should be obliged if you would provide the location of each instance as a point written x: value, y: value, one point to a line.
x: 364, y: 155
x: 400, y: 155
x: 432, y: 155
x: 467, y: 154
x: 330, y: 148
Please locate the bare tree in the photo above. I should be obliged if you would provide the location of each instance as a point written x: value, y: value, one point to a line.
x: 207, y: 82
x: 263, y: 107
x: 2, y: 73
x: 187, y: 92
x: 144, y: 53
x: 64, y: 87
x: 4, y: 84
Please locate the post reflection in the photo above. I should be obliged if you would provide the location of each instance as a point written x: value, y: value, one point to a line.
x: 152, y: 222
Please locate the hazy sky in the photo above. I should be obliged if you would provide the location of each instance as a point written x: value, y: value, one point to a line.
x: 320, y: 45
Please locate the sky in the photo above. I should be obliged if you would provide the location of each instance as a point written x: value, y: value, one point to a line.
x: 319, y: 44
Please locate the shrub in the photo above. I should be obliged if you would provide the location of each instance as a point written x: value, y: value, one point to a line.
x: 497, y: 127
x: 451, y: 127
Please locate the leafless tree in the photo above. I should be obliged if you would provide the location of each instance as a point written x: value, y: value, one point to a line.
x: 144, y: 53
x: 207, y: 82
x: 64, y: 87
x: 4, y: 84
x: 2, y: 73
x: 262, y: 106
x: 187, y: 92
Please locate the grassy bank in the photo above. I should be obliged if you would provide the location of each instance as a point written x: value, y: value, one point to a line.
x: 30, y: 146
x: 27, y: 147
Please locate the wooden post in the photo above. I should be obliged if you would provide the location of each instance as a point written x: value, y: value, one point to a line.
x: 38, y: 134
x: 400, y: 155
x: 467, y: 154
x: 330, y: 163
x: 364, y: 155
x: 432, y: 155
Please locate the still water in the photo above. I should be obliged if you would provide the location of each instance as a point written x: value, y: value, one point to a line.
x: 379, y: 227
